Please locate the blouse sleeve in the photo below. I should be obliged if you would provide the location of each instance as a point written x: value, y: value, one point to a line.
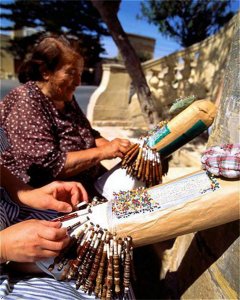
x: 31, y: 133
x: 96, y: 134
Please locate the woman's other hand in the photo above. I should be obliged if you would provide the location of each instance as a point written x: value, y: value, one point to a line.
x: 79, y: 161
x: 58, y: 195
x: 115, y: 148
x: 32, y: 240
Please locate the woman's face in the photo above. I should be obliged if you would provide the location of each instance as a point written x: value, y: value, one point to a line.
x: 64, y: 81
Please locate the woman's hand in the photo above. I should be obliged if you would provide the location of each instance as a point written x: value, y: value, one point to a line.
x: 32, y: 240
x: 58, y: 195
x: 79, y: 161
x: 115, y: 148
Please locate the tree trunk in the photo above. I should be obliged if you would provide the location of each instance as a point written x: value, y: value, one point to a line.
x: 108, y: 11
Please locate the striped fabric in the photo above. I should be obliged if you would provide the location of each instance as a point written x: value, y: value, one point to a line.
x: 9, y: 211
x: 45, y: 289
x: 30, y: 288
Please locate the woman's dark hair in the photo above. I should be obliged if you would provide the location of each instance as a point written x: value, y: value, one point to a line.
x: 47, y: 55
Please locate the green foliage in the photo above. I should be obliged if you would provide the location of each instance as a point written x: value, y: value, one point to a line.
x: 144, y: 56
x: 75, y: 18
x: 187, y: 21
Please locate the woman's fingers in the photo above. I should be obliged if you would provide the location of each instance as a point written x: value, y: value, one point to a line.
x: 84, y: 195
x: 71, y: 192
x: 75, y: 192
x: 125, y: 143
x: 52, y: 239
x: 54, y: 245
x: 56, y: 224
x: 50, y: 233
x: 60, y: 206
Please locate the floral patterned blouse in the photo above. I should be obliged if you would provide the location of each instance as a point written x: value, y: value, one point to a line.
x: 40, y: 135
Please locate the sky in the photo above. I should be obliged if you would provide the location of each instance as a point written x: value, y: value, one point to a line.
x: 127, y: 16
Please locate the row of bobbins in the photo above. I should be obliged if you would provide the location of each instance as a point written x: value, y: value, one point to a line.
x: 143, y: 162
x: 100, y: 262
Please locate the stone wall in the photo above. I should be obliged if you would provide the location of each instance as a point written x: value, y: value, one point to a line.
x: 205, y: 264
x: 6, y: 59
x: 108, y: 104
x: 226, y: 125
x: 196, y: 70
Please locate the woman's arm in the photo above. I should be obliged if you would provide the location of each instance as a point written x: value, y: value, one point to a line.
x: 13, y: 185
x: 79, y: 161
x: 101, y: 141
x: 60, y: 196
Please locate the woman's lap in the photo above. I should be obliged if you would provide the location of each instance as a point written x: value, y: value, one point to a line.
x: 28, y: 287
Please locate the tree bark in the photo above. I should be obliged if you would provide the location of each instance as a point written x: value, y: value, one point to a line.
x: 108, y: 11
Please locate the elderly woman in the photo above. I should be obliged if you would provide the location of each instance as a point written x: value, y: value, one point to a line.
x: 50, y: 136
